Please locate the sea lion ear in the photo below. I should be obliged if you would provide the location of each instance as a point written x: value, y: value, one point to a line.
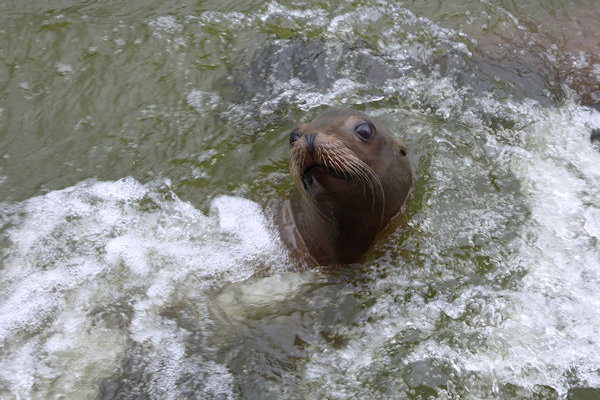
x: 400, y: 146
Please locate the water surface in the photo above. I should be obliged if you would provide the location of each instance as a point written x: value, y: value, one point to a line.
x: 140, y: 143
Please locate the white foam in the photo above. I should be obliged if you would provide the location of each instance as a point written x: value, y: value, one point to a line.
x: 75, y: 252
x: 345, y: 23
x: 304, y: 17
x: 543, y: 330
x: 561, y: 295
x: 592, y: 222
x: 166, y: 24
x: 64, y: 69
x: 244, y: 219
x: 202, y: 101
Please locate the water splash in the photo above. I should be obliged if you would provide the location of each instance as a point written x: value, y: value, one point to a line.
x: 94, y: 268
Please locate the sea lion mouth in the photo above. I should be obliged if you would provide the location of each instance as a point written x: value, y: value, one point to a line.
x: 330, y: 171
x: 315, y: 171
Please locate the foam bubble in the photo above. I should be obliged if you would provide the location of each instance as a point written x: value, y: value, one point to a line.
x: 305, y: 17
x: 167, y: 24
x: 203, y: 101
x: 244, y: 219
x: 64, y: 69
x: 592, y: 222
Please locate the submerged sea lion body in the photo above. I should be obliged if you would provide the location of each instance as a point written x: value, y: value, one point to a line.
x: 351, y: 176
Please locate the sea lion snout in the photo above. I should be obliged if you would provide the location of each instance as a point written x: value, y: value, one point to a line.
x: 316, y: 156
x: 310, y: 166
x: 309, y: 139
x: 310, y: 142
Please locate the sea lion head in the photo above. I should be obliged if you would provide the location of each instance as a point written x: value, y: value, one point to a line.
x: 346, y: 164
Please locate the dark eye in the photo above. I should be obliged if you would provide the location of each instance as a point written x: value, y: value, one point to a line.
x: 365, y: 130
x: 293, y: 137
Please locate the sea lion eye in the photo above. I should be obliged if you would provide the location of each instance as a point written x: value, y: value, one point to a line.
x: 294, y: 136
x: 365, y: 130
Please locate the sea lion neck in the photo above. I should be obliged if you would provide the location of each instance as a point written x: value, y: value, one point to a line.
x: 335, y: 233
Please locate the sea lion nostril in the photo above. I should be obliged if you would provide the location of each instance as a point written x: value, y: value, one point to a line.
x: 310, y: 142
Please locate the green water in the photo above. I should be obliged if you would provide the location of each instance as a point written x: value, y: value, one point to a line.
x: 100, y: 89
x: 124, y: 274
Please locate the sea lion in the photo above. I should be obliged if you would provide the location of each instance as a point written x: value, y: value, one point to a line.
x: 351, y: 177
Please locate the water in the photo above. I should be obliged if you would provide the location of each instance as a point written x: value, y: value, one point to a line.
x: 140, y: 144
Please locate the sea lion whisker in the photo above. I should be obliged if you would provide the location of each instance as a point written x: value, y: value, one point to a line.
x: 369, y: 179
x: 358, y: 170
x: 355, y: 172
x: 340, y: 167
x: 327, y: 161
